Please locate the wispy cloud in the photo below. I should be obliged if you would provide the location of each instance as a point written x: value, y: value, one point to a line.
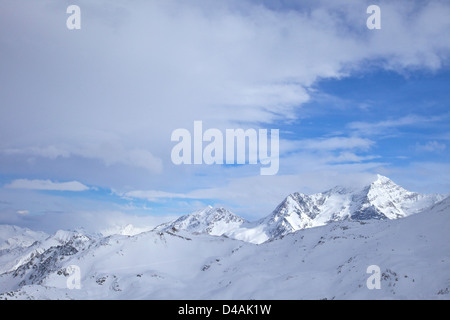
x: 46, y: 185
x: 336, y: 143
x: 151, y: 195
x: 381, y: 127
x: 431, y: 146
x: 50, y: 152
x: 109, y: 151
x: 351, y: 157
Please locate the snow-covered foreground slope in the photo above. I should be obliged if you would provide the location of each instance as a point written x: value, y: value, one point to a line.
x: 149, y: 265
x: 324, y: 262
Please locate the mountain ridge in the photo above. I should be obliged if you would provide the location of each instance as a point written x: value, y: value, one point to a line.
x: 213, y: 221
x: 380, y: 200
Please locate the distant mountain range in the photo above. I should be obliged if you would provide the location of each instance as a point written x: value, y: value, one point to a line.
x: 213, y: 221
x: 382, y: 199
x: 310, y: 247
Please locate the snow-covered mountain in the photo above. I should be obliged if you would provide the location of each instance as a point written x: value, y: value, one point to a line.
x: 15, y: 257
x: 327, y: 262
x: 16, y: 244
x: 13, y: 237
x: 213, y: 221
x: 380, y: 200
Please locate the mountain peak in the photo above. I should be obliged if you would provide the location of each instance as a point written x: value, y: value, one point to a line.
x: 293, y: 197
x: 385, y: 183
x: 210, y: 220
x: 383, y: 179
x: 206, y: 211
x: 389, y: 200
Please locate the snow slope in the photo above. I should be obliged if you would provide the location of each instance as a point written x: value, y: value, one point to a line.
x: 329, y: 262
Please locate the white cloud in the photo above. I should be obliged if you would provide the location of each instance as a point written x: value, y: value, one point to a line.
x: 381, y: 127
x: 335, y: 143
x: 351, y: 157
x: 431, y: 146
x: 151, y: 195
x: 107, y: 151
x: 159, y: 66
x: 46, y: 185
x: 51, y: 152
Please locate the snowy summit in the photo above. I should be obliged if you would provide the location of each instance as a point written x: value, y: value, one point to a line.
x: 382, y: 199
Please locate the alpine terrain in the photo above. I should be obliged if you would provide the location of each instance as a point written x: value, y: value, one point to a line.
x: 319, y: 246
x: 380, y: 200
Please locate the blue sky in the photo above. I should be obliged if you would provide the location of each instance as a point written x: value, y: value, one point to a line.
x: 86, y: 115
x: 378, y: 97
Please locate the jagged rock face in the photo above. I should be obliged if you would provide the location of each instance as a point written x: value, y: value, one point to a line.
x: 296, y: 212
x: 368, y: 213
